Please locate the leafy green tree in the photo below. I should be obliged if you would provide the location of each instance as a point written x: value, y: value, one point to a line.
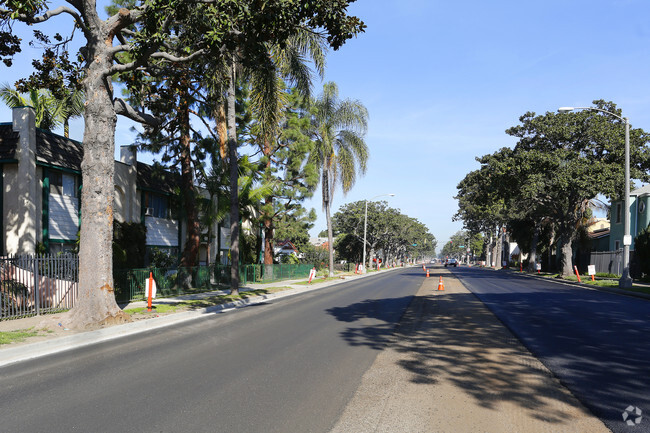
x: 396, y: 235
x: 228, y: 26
x: 340, y: 151
x: 349, y: 247
x: 294, y: 226
x: 291, y: 180
x: 568, y: 159
x: 485, y: 199
x: 559, y: 165
x: 350, y: 218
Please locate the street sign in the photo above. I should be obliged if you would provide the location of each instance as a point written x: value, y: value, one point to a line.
x: 591, y: 269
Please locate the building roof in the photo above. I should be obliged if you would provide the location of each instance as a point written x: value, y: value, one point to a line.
x: 51, y: 149
x: 55, y: 150
x: 285, y: 245
x: 59, y: 151
x: 597, y: 234
x: 644, y: 190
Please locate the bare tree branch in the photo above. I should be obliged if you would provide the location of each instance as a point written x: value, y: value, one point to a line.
x: 123, y: 108
x: 175, y: 59
x: 49, y: 14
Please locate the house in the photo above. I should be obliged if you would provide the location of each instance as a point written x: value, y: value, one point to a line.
x: 285, y: 248
x: 598, y: 232
x: 639, y: 217
x: 40, y: 201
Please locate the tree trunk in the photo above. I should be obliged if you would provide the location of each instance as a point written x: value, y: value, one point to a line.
x: 267, y: 213
x: 371, y: 256
x: 566, y: 263
x: 95, y: 304
x: 234, y: 184
x: 327, y: 204
x: 532, y: 260
x: 268, y: 237
x: 193, y: 239
x: 497, y: 251
x: 330, y: 239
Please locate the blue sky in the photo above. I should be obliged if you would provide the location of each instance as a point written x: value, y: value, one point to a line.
x: 443, y: 80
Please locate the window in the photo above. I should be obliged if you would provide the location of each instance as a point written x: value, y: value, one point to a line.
x: 63, y: 184
x: 617, y: 245
x: 618, y: 213
x: 156, y: 205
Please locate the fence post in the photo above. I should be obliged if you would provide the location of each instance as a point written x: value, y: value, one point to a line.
x: 36, y: 286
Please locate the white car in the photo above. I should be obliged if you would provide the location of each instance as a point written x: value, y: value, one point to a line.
x: 451, y: 262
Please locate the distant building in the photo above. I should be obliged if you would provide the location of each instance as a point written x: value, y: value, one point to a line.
x: 319, y: 242
x: 285, y: 248
x: 598, y: 232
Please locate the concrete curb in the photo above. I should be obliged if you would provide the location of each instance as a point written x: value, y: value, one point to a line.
x: 12, y: 355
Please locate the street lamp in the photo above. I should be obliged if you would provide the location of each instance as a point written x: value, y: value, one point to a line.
x: 625, y: 280
x: 365, y: 226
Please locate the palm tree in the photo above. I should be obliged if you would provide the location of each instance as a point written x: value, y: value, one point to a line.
x: 286, y: 62
x: 71, y: 106
x: 339, y: 147
x: 50, y: 112
x: 46, y: 108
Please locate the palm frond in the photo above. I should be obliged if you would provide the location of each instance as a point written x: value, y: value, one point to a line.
x: 11, y: 97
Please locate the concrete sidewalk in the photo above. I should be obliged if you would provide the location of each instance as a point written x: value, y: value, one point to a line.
x: 452, y: 366
x: 59, y: 338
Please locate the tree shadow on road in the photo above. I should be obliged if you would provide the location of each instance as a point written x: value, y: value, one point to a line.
x: 453, y: 337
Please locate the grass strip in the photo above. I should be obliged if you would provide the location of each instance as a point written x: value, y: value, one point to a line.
x: 195, y: 304
x: 18, y: 336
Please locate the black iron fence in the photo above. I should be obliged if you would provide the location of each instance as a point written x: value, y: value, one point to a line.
x: 31, y: 285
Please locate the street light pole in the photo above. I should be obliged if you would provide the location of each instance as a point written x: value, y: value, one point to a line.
x: 365, y: 227
x: 625, y: 281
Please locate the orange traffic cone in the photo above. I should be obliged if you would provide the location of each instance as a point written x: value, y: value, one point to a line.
x: 427, y: 273
x: 440, y: 285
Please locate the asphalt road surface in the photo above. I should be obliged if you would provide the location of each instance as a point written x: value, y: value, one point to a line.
x: 596, y: 343
x: 288, y: 365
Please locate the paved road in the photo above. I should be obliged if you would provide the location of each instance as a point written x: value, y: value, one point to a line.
x: 596, y: 343
x: 289, y: 365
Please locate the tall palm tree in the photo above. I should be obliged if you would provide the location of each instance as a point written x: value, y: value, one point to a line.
x: 339, y: 147
x: 286, y: 62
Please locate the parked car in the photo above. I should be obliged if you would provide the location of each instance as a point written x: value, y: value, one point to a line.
x: 451, y: 262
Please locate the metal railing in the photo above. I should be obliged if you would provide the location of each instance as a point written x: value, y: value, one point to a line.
x: 32, y: 285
